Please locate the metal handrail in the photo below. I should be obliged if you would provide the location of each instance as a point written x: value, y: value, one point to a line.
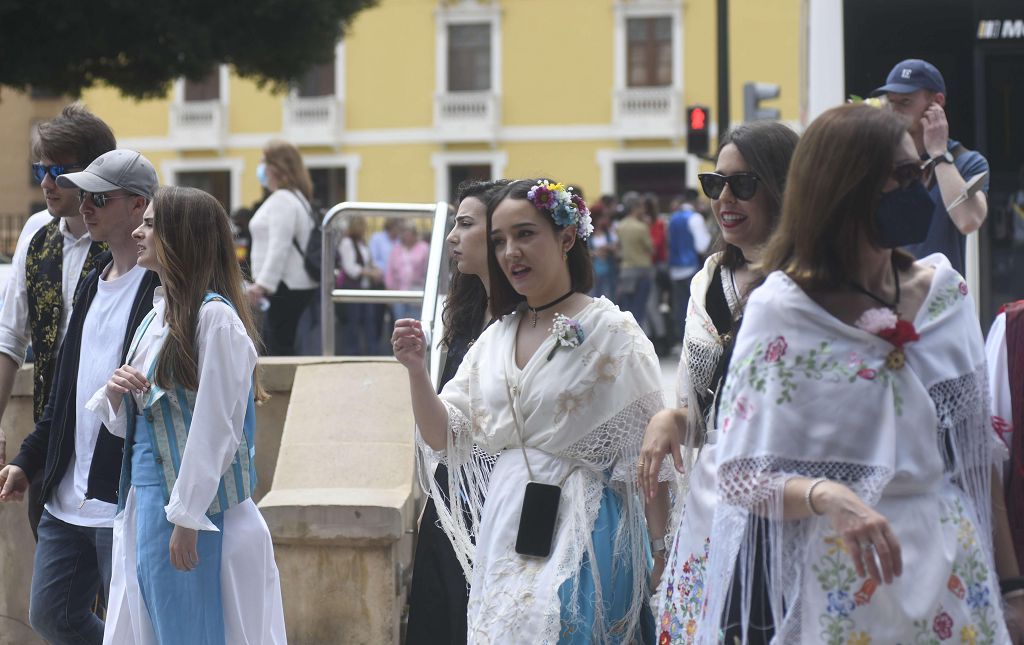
x: 436, y: 270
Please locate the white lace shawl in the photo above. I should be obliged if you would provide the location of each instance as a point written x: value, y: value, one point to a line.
x: 702, y: 345
x: 702, y: 349
x: 809, y: 396
x: 587, y: 407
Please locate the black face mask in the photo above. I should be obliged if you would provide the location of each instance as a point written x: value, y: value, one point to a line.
x: 904, y: 216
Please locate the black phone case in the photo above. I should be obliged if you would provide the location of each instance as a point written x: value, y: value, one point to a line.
x: 537, y: 521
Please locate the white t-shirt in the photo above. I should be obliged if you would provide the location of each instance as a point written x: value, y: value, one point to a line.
x: 103, y: 336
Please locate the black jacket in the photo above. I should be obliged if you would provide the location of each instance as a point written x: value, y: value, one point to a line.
x: 52, y: 443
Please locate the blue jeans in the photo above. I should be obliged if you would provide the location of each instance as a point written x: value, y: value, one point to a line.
x: 70, y: 564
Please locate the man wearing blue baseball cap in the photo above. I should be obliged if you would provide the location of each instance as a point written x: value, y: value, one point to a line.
x: 916, y: 90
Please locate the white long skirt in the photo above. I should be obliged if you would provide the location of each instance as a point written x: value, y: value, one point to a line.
x: 250, y: 584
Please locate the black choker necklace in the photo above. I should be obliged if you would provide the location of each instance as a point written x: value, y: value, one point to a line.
x: 536, y: 310
x: 895, y: 304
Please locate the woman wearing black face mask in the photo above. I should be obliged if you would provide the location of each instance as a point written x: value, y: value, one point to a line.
x: 857, y: 436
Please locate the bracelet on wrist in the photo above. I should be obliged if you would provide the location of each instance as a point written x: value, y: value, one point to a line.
x: 1010, y: 585
x: 810, y: 491
x: 658, y: 546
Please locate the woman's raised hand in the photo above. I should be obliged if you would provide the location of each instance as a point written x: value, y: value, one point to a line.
x: 409, y: 343
x: 124, y: 380
x: 661, y: 438
x: 868, y: 537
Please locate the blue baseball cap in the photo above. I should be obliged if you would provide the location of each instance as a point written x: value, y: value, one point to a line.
x: 912, y: 75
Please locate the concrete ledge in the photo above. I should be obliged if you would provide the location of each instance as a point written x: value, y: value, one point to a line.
x: 348, y: 516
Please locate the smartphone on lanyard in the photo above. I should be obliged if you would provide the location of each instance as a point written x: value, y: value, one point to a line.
x: 538, y: 519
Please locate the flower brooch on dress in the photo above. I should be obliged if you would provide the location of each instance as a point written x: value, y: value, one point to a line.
x: 567, y: 333
x: 562, y: 205
x: 885, y: 324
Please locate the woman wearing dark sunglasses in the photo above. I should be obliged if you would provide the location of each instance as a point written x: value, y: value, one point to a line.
x: 746, y: 197
x: 858, y: 451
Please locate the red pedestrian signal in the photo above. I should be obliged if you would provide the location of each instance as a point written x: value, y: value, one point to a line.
x: 697, y: 137
x: 698, y: 118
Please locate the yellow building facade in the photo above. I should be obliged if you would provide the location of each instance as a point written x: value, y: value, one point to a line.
x: 423, y: 94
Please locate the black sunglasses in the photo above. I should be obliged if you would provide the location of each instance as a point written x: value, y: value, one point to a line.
x: 907, y: 173
x: 743, y: 184
x: 100, y: 199
x: 39, y: 171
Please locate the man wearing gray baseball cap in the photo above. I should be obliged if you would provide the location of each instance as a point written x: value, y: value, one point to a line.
x: 118, y: 169
x: 79, y: 458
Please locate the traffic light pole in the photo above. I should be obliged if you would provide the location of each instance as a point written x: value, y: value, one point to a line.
x: 723, y: 67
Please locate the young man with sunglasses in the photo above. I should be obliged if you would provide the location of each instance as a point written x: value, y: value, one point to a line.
x: 53, y: 253
x: 79, y: 458
x: 916, y: 90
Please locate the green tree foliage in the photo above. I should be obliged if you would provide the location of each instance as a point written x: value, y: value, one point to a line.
x: 140, y: 46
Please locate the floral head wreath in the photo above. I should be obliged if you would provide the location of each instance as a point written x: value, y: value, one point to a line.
x: 564, y: 206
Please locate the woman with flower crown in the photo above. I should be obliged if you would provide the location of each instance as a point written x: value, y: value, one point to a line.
x: 856, y: 452
x: 746, y: 196
x: 563, y: 385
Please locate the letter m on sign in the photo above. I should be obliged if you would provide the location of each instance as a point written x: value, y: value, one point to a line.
x: 1013, y: 29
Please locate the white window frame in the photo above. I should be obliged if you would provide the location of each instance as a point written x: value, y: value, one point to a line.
x: 648, y: 9
x: 461, y: 13
x: 442, y: 161
x: 350, y: 162
x: 234, y: 165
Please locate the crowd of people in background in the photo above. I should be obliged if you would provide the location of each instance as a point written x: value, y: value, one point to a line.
x: 644, y: 256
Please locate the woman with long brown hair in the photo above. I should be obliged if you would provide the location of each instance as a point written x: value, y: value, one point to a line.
x: 193, y: 560
x: 857, y: 449
x: 280, y: 229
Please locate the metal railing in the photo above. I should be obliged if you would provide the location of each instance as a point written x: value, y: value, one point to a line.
x: 434, y: 285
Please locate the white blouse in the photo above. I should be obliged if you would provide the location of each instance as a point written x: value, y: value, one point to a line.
x: 282, y: 220
x: 226, y: 358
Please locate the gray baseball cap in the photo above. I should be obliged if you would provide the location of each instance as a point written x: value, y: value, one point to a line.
x: 124, y: 169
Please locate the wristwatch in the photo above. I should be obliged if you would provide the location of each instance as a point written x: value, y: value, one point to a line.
x: 945, y: 157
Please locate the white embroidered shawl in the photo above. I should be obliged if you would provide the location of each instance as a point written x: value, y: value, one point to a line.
x: 809, y: 396
x: 583, y: 414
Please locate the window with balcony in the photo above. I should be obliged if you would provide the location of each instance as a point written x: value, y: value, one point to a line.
x: 314, y: 110
x: 649, y: 52
x: 648, y: 69
x: 198, y: 113
x: 468, y: 71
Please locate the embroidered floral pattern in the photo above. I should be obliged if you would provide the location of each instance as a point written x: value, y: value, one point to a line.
x: 774, y: 363
x: 946, y: 297
x: 836, y: 576
x: 970, y: 577
x: 685, y: 599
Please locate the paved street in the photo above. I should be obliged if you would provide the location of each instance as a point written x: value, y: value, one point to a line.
x: 669, y: 365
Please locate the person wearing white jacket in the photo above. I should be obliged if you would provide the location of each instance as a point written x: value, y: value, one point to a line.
x: 280, y: 229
